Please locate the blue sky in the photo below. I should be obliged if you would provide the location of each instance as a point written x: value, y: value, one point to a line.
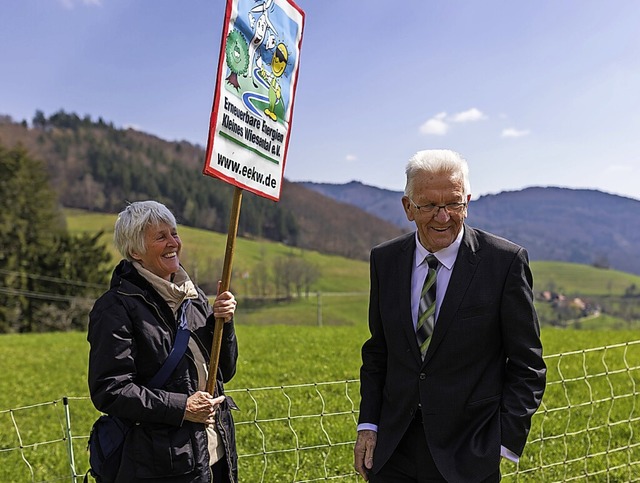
x: 532, y: 93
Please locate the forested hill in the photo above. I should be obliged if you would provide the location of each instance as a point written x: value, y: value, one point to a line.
x: 95, y: 166
x: 556, y: 224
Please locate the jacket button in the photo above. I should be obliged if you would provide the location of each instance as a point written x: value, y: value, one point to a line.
x: 423, y: 376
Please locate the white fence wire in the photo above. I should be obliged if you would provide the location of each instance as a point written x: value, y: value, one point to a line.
x: 587, y: 428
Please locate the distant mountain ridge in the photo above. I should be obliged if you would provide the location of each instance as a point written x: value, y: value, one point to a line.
x: 557, y: 224
x: 380, y: 202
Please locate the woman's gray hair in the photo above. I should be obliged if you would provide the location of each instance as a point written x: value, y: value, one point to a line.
x: 437, y: 161
x: 128, y: 233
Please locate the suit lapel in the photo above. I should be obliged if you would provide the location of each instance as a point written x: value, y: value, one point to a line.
x: 463, y: 271
x: 404, y: 266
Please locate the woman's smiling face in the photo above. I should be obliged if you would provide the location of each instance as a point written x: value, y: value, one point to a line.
x: 163, y: 250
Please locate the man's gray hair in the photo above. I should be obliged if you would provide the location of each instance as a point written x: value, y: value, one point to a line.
x: 128, y: 233
x: 437, y: 161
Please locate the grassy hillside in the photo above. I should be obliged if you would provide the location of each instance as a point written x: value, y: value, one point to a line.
x: 341, y: 274
x: 200, y: 247
x: 573, y: 278
x: 344, y: 282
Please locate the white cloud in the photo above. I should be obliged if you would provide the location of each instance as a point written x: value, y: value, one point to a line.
x: 70, y: 4
x: 439, y: 124
x: 436, y: 126
x: 351, y: 157
x: 470, y: 115
x: 512, y: 132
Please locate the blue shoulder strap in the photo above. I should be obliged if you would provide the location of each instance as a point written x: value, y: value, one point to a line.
x: 177, y: 351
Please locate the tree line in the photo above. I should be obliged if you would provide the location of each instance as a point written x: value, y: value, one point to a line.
x: 39, y: 259
x: 101, y: 167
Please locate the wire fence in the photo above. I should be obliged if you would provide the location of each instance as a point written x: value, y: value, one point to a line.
x: 587, y: 428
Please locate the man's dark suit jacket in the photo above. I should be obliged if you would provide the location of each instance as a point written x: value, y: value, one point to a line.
x: 483, y: 375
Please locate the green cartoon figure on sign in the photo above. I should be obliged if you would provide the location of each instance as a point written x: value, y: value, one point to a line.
x: 237, y: 54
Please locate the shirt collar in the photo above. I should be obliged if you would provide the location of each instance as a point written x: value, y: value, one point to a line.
x: 446, y: 256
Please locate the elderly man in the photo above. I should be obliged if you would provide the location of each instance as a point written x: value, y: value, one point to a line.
x: 453, y: 370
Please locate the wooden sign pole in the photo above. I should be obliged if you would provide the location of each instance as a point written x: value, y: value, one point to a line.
x: 224, y: 286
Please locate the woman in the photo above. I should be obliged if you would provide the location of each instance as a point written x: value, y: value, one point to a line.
x: 180, y: 433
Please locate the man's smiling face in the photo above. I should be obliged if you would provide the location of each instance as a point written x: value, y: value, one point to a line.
x: 436, y: 230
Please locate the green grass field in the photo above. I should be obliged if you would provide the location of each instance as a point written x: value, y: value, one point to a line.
x: 292, y: 347
x: 40, y: 368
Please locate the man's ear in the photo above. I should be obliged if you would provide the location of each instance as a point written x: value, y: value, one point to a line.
x: 136, y: 256
x: 466, y: 210
x: 406, y: 204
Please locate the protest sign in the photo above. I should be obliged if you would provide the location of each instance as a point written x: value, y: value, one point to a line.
x: 255, y: 90
x: 252, y: 111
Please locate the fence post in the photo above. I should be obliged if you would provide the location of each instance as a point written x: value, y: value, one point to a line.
x: 319, y: 308
x: 67, y: 417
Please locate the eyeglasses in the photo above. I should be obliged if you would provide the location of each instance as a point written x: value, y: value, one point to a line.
x: 431, y: 209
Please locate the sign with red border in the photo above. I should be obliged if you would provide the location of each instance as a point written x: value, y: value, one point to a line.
x: 252, y: 111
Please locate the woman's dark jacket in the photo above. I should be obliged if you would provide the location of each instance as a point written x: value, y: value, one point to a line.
x: 131, y: 332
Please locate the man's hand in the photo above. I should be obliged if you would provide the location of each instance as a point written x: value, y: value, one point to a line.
x: 363, y: 452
